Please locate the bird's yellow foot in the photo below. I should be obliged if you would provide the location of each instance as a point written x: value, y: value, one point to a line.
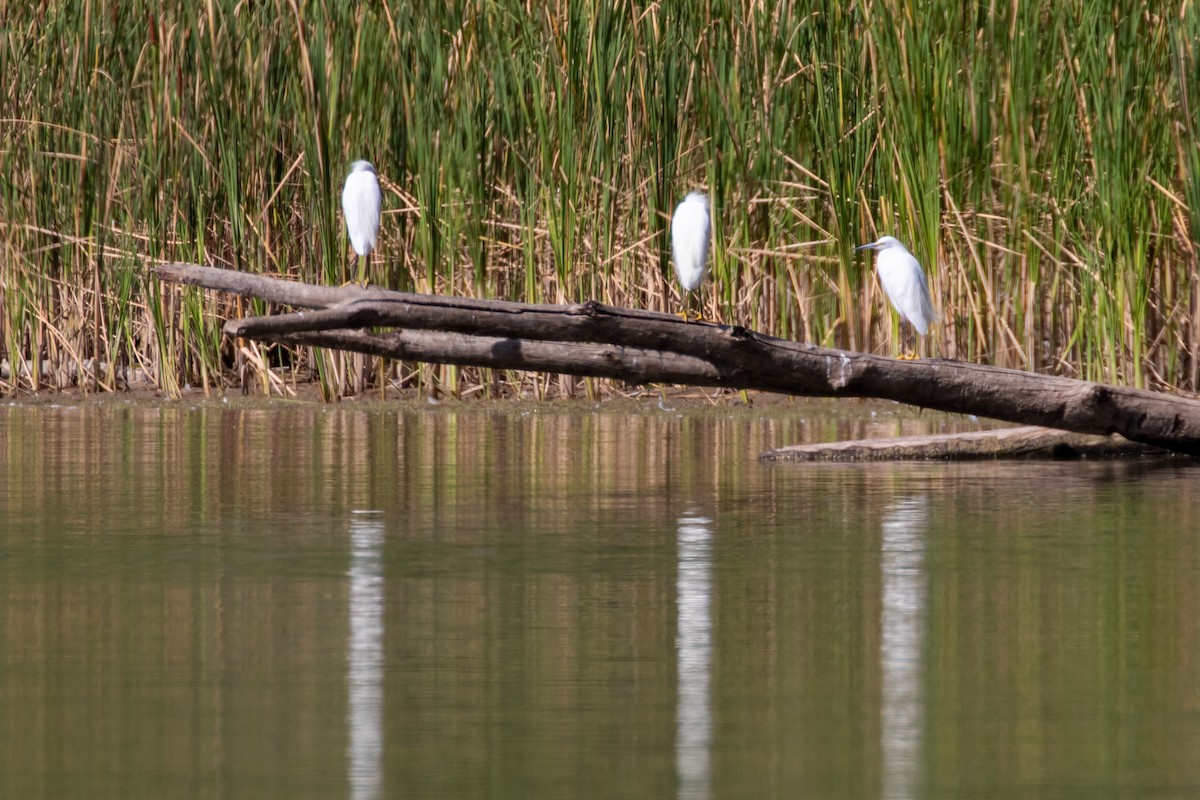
x: 908, y: 355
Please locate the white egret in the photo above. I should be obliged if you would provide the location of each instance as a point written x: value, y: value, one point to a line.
x: 903, y: 282
x: 690, y: 233
x: 361, y: 201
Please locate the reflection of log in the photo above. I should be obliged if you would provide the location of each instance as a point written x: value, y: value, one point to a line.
x: 591, y: 339
x: 1028, y: 441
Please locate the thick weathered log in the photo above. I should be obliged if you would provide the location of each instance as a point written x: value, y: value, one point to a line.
x: 630, y: 364
x: 1029, y: 441
x: 733, y: 357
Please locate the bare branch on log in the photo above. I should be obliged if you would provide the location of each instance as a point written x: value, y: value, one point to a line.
x: 712, y: 355
x: 273, y: 290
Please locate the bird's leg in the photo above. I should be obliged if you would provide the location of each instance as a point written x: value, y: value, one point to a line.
x: 684, y: 295
x: 905, y: 353
x: 698, y: 314
x: 364, y: 265
x: 357, y: 267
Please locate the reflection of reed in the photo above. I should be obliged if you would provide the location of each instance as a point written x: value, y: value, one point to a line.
x: 364, y: 658
x: 693, y: 740
x: 194, y: 547
x: 210, y: 459
x: 903, y: 633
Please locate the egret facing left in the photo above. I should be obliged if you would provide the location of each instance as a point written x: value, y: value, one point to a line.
x: 361, y: 203
x: 904, y: 283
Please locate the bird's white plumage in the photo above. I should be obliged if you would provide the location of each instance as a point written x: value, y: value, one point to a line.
x: 361, y: 201
x: 903, y: 282
x: 690, y: 232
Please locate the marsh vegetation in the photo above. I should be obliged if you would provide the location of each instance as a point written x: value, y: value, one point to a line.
x: 1040, y: 159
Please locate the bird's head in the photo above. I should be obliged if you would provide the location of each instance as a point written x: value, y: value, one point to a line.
x: 362, y: 166
x: 697, y: 196
x: 884, y: 243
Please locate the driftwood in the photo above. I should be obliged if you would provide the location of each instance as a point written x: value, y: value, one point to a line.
x: 1029, y: 441
x: 591, y: 339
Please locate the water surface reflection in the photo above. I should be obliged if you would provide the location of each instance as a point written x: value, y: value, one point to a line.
x: 579, y: 603
x: 902, y: 631
x: 364, y: 657
x: 694, y: 654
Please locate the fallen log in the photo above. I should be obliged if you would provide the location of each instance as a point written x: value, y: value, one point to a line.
x: 591, y: 339
x: 1029, y: 441
x: 585, y: 359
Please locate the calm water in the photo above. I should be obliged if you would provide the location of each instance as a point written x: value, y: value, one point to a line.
x: 548, y: 602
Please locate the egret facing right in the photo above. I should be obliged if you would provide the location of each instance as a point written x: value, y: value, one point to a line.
x: 903, y: 281
x: 690, y: 231
x: 361, y: 201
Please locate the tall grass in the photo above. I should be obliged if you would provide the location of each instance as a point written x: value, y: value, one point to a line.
x: 1041, y: 159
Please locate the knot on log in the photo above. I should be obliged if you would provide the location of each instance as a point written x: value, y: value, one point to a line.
x: 840, y: 371
x: 588, y: 308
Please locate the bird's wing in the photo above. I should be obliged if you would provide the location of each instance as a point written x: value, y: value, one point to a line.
x: 903, y: 281
x: 690, y: 233
x: 931, y: 313
x: 361, y: 202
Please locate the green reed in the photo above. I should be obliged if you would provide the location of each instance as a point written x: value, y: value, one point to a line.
x: 1041, y: 160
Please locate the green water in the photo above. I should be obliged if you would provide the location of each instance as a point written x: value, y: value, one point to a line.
x: 553, y: 601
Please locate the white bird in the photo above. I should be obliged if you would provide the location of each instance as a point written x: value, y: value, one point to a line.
x: 903, y: 282
x: 691, y: 229
x: 361, y: 201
